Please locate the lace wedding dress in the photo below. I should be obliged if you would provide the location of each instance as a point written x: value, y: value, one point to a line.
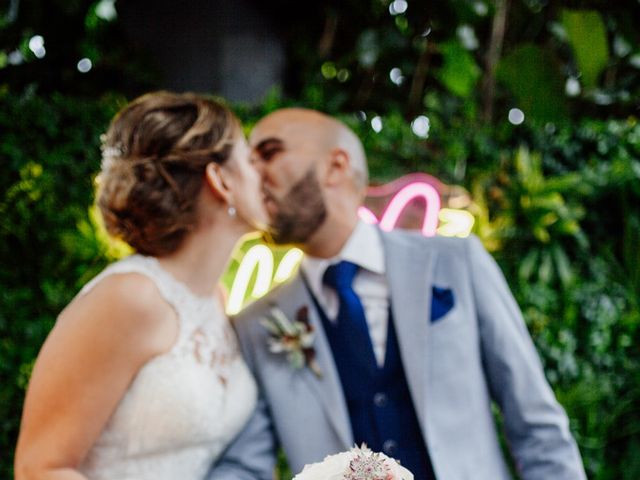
x: 183, y: 407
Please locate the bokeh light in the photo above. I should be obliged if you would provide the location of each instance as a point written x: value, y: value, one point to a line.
x: 480, y: 8
x: 329, y: 70
x: 396, y: 76
x: 467, y: 36
x: 106, y: 10
x: 343, y: 75
x: 15, y: 57
x: 398, y: 6
x: 572, y: 87
x: 516, y: 116
x: 84, y: 65
x: 421, y: 126
x: 36, y: 45
x: 376, y: 124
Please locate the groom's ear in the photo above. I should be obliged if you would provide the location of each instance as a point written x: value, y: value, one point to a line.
x: 215, y: 179
x: 338, y: 167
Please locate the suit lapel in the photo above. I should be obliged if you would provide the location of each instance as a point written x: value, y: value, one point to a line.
x: 327, y: 388
x: 409, y: 275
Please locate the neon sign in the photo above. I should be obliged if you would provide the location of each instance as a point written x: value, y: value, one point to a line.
x: 260, y: 259
x: 399, y: 202
x: 413, y: 201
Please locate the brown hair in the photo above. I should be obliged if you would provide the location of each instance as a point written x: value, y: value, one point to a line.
x: 154, y: 158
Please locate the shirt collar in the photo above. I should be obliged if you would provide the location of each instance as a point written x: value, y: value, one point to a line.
x: 364, y: 248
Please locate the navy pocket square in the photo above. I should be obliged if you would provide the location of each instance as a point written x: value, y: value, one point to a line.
x: 441, y: 302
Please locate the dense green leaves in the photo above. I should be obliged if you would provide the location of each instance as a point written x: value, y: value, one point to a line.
x: 49, y: 153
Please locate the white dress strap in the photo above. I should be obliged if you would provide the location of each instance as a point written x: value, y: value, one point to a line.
x: 171, y: 291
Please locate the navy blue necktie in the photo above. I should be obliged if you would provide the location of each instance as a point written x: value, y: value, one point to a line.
x: 340, y: 277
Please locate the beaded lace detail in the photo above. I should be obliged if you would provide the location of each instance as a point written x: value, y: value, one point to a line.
x: 184, y: 406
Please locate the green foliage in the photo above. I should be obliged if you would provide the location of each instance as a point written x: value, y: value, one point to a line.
x: 588, y: 38
x: 71, y: 30
x: 553, y: 63
x: 459, y: 71
x: 574, y: 273
x: 48, y: 248
x: 532, y: 75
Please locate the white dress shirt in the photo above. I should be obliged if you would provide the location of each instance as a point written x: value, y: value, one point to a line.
x: 364, y: 248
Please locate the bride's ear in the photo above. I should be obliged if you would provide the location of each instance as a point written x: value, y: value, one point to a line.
x: 215, y: 178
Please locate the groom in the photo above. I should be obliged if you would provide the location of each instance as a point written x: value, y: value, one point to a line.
x: 414, y: 337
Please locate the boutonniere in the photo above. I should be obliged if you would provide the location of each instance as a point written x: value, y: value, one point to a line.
x: 293, y: 338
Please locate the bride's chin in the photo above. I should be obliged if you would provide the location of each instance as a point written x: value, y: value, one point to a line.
x: 252, y: 229
x: 260, y: 222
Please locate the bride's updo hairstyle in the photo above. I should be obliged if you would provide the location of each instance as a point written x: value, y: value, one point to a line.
x: 153, y: 162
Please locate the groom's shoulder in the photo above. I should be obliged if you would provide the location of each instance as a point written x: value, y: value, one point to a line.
x: 441, y: 245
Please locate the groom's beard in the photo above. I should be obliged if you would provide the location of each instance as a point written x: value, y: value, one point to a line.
x: 299, y: 213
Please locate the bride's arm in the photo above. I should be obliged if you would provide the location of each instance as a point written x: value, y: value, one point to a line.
x: 95, y: 349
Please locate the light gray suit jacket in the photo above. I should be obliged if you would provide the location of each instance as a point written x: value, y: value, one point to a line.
x: 478, y: 352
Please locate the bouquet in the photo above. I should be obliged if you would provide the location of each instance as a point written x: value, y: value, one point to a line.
x: 360, y: 463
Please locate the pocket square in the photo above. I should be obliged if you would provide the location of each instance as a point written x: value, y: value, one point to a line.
x: 441, y: 302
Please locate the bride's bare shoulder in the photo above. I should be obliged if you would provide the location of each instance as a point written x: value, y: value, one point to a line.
x: 128, y: 306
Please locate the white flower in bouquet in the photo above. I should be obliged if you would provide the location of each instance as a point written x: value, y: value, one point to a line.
x: 360, y: 463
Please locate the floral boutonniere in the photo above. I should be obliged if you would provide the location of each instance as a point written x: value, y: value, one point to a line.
x: 295, y: 339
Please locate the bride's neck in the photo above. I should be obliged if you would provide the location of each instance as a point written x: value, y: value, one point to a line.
x: 203, y: 256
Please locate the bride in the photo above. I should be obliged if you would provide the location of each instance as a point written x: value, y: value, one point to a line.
x: 141, y: 378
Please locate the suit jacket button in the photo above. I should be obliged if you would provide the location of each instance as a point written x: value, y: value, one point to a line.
x: 380, y: 399
x: 390, y: 447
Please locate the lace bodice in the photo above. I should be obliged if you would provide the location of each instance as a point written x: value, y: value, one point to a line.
x: 184, y: 406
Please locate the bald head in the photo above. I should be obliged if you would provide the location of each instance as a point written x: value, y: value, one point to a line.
x: 319, y: 131
x: 314, y: 178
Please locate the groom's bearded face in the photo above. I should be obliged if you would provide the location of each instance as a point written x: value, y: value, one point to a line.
x: 299, y: 213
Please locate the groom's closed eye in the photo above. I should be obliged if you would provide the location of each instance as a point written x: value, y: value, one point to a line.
x: 268, y: 148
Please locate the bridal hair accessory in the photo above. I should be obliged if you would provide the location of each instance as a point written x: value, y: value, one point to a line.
x: 295, y: 339
x: 113, y: 155
x: 109, y: 154
x: 359, y: 463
